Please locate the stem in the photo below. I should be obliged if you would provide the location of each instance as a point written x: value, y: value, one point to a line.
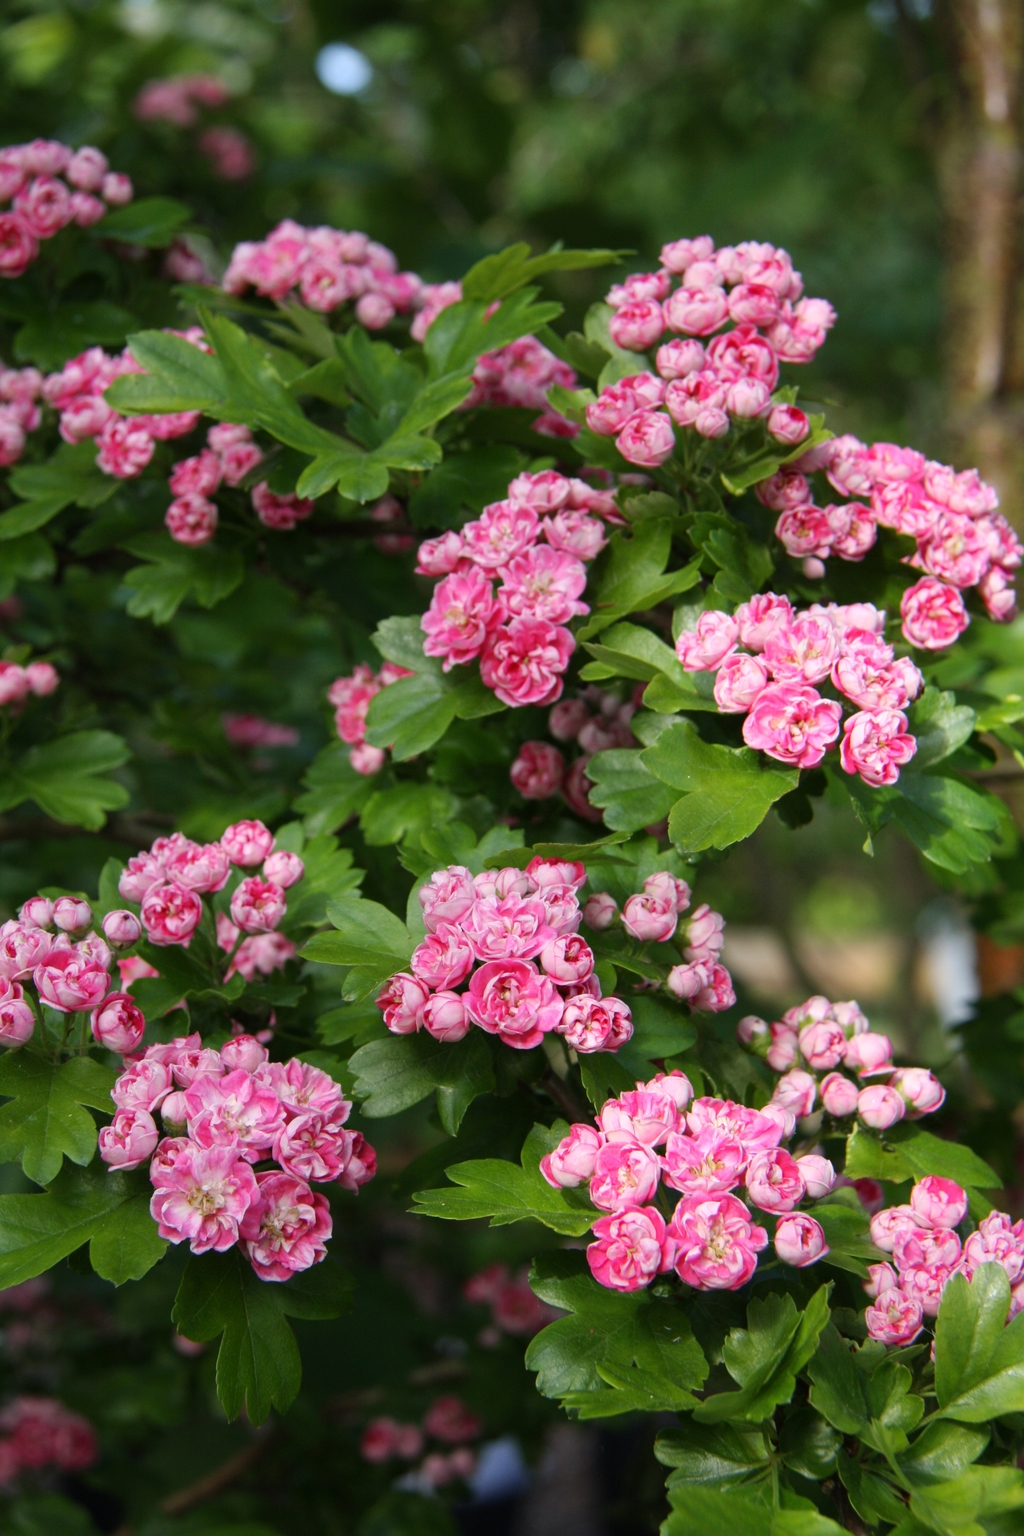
x: 565, y: 1097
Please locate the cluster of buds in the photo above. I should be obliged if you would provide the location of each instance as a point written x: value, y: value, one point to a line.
x: 711, y: 1148
x: 653, y: 915
x: 962, y: 540
x: 847, y: 1067
x: 17, y: 682
x: 754, y: 288
x: 39, y: 1432
x: 536, y: 544
x: 351, y: 697
x: 170, y: 879
x: 179, y: 99
x: 49, y: 186
x: 447, y: 1420
x: 326, y: 268
x: 927, y: 1252
x: 593, y: 721
x: 509, y: 937
x: 20, y: 389
x: 767, y: 658
x: 515, y: 1309
x: 246, y: 1137
x: 230, y: 454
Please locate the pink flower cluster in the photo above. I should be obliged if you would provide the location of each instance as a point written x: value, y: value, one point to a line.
x: 828, y: 1053
x: 448, y: 1420
x: 653, y: 915
x: 518, y: 633
x: 926, y: 1253
x: 711, y: 1147
x: 229, y: 456
x: 169, y: 881
x: 752, y: 286
x: 17, y: 683
x: 328, y: 268
x: 19, y: 413
x: 237, y: 1109
x: 539, y: 769
x: 229, y: 151
x: 178, y: 99
x: 767, y: 658
x: 126, y: 444
x: 50, y: 186
x: 962, y: 540
x: 510, y: 937
x: 351, y: 697
x: 51, y: 945
x: 38, y: 1432
x: 254, y: 731
x: 515, y: 1310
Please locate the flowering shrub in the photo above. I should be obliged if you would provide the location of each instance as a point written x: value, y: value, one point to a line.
x: 50, y: 186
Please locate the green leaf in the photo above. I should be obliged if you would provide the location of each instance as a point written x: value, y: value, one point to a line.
x: 941, y: 1452
x: 627, y: 791
x: 495, y: 277
x: 365, y: 935
x: 955, y: 824
x: 325, y: 380
x: 65, y: 778
x: 151, y: 221
x: 958, y: 1508
x: 660, y: 1029
x: 82, y: 1205
x: 175, y: 573
x: 616, y: 1351
x: 71, y: 328
x: 846, y: 1232
x: 809, y: 1445
x: 178, y: 377
x: 258, y: 1365
x: 711, y: 1454
x: 979, y: 1362
x: 70, y: 476
x: 505, y: 1193
x: 765, y: 1356
x: 836, y: 1389
x: 633, y: 574
x: 335, y: 791
x: 696, y: 1511
x: 127, y: 1247
x: 872, y: 1497
x: 464, y: 480
x: 391, y: 814
x: 637, y: 653
x: 744, y: 566
x: 393, y: 1074
x: 411, y: 715
x: 728, y: 791
x: 400, y: 639
x: 461, y: 333
x: 940, y: 725
x: 908, y: 1152
x: 44, y: 1120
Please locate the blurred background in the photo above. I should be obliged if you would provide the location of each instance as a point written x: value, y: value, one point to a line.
x: 880, y: 144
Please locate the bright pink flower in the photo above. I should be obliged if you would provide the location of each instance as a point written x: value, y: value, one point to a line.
x: 687, y: 399
x: 513, y: 926
x: 233, y: 1110
x: 502, y: 531
x: 803, y: 650
x: 614, y: 406
x: 572, y: 1162
x: 925, y: 1283
x: 784, y: 1041
x: 880, y: 1106
x: 286, y: 1227
x: 360, y: 1163
x: 740, y: 680
x: 22, y: 948
x: 143, y: 1085
x: 696, y: 311
x: 876, y: 744
x: 636, y: 326
x: 440, y: 556
x: 243, y: 1052
x: 706, y: 647
x: 600, y: 911
x: 774, y: 1182
x: 889, y: 1224
x: 70, y: 983
x: 785, y: 491
x: 625, y: 1175
x: 523, y: 661
x: 257, y: 906
x: 45, y: 205
x: 757, y: 618
x: 126, y: 447
x: 312, y: 1147
x: 280, y: 513
x: 198, y: 476
x: 141, y: 873
x: 872, y: 686
x: 646, y: 439
x: 628, y: 1251
x: 650, y: 917
x: 921, y: 1089
x: 997, y: 1241
x: 282, y: 868
x: 444, y: 959
x: 752, y: 1130
x: 716, y: 1244
x: 591, y: 1023
x: 129, y: 1139
x: 639, y: 1115
x: 674, y: 1085
x: 247, y: 842
x: 200, y: 868
x: 868, y: 1052
x: 204, y: 1198
x: 542, y: 583
x: 447, y: 896
x: 796, y: 1091
x: 171, y: 913
x: 574, y: 533
x: 401, y: 1003
x: 538, y: 770
x: 822, y: 1045
x: 799, y: 1240
x: 550, y: 873
x: 742, y: 353
x: 788, y: 425
x: 567, y: 959
x: 305, y: 1089
x: 881, y: 1278
x: 237, y: 459
x: 933, y: 614
x: 793, y: 724
x: 680, y: 254
x: 709, y: 1163
x: 818, y: 1175
x: 921, y: 1245
x: 17, y: 1020
x: 118, y: 1024
x: 510, y: 999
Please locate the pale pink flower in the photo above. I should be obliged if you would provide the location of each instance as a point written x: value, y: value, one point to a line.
x: 233, y: 1110
x: 678, y: 358
x: 868, y: 1052
x: 143, y: 1085
x: 636, y: 325
x: 674, y: 1085
x: 571, y: 1163
x: 680, y: 254
x: 916, y: 1246
x: 784, y: 1041
x: 591, y: 1023
x: 787, y: 424
x: 793, y: 724
x: 305, y: 1089
x: 553, y: 874
x: 257, y: 906
x: 650, y: 917
x: 280, y: 513
x: 715, y: 1243
x: 118, y: 1024
x: 87, y: 168
x: 881, y: 1278
x: 312, y: 1147
x: 887, y: 1225
x: 625, y: 1175
x: 753, y: 1130
x: 933, y: 614
x: 711, y: 1162
x: 696, y: 311
x: 17, y: 1020
x: 283, y: 868
x: 71, y: 913
x: 784, y: 491
x: 447, y: 896
x: 538, y: 770
x: 613, y: 408
x: 69, y: 982
x: 43, y: 679
x: 523, y: 661
x: 926, y: 1283
x: 646, y: 439
x: 805, y: 530
x: 669, y: 888
x: 567, y: 959
x: 45, y: 205
x: 543, y: 583
x: 510, y: 999
x: 818, y: 1175
x: 743, y: 353
x: 200, y: 868
x: 171, y: 913
x: 891, y: 685
x: 129, y: 1139
x: 774, y: 1181
x: 628, y: 1251
x: 876, y: 744
x: 880, y: 1106
x: 205, y: 1198
x: 997, y: 1241
x: 286, y: 1227
x: 243, y: 1052
x: 704, y: 935
x: 197, y: 476
x: 401, y: 1003
x: 757, y: 618
x: 126, y: 447
x: 22, y: 948
x: 822, y: 1045
x: 444, y: 959
x: 803, y: 650
x: 638, y: 1115
x: 687, y: 399
x: 921, y: 1089
x: 513, y: 926
x: 839, y: 1095
x: 796, y: 1091
x: 799, y: 1240
x: 600, y: 911
x: 444, y: 1017
x: 247, y: 842
x: 706, y: 647
x: 739, y: 682
x: 502, y: 531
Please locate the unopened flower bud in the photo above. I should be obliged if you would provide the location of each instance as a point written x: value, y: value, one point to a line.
x: 600, y: 911
x: 868, y: 1053
x: 880, y: 1106
x: 920, y: 1088
x: 283, y: 868
x: 839, y: 1095
x: 800, y: 1240
x: 71, y: 913
x: 753, y: 1034
x: 37, y: 911
x: 819, y: 1175
x: 122, y: 927
x: 119, y: 1023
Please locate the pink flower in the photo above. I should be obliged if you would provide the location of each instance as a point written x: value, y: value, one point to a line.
x: 880, y: 1106
x: 513, y: 926
x: 204, y: 1198
x: 600, y: 911
x: 70, y: 983
x: 45, y: 205
x: 200, y: 868
x: 243, y: 1051
x: 895, y: 1318
x: 709, y: 1163
x: 636, y: 326
x: 647, y: 917
x: 538, y: 770
x: 796, y: 1091
x: 247, y: 842
x: 384, y: 1438
x: 646, y: 439
x: 757, y: 618
x: 680, y: 254
x: 888, y: 1225
x: 933, y: 614
x: 868, y: 1052
x: 696, y: 311
x: 674, y: 1086
x: 449, y: 1419
x: 198, y: 476
x: 543, y: 583
x: 640, y: 1115
x: 742, y: 353
x: 70, y: 913
x: 122, y: 927
x: 447, y: 896
x: 788, y: 425
x: 523, y: 661
x: 818, y: 1174
x: 572, y: 1161
x: 502, y: 531
x: 774, y: 1181
x: 87, y: 168
x: 22, y: 948
x: 916, y: 1246
x: 401, y: 1003
x: 921, y: 1089
x: 117, y: 189
x: 716, y: 1244
x: 282, y: 868
x: 591, y: 1023
x: 129, y: 1139
x: 938, y: 1202
x: 444, y: 1017
x: 280, y: 513
x: 17, y: 1020
x: 286, y: 1227
x: 549, y: 874
x: 625, y: 1175
x: 233, y: 1110
x: 257, y: 906
x: 799, y: 1240
x: 747, y: 397
x: 567, y: 959
x: 444, y: 959
x: 997, y: 1241
x: 822, y: 1045
x: 803, y: 650
x: 574, y: 533
x: 118, y: 1024
x: 706, y: 647
x: 171, y: 913
x: 881, y: 1278
x: 793, y: 724
x: 628, y: 1251
x: 740, y: 680
x: 839, y: 1095
x: 872, y: 685
x: 678, y: 358
x: 440, y: 556
x: 876, y: 744
x: 312, y: 1147
x: 665, y: 887
x: 510, y: 999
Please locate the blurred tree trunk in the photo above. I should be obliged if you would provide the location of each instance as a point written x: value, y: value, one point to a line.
x: 981, y: 178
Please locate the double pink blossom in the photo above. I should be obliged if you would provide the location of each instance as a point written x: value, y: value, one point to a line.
x: 511, y: 999
x: 793, y: 723
x: 715, y: 1243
